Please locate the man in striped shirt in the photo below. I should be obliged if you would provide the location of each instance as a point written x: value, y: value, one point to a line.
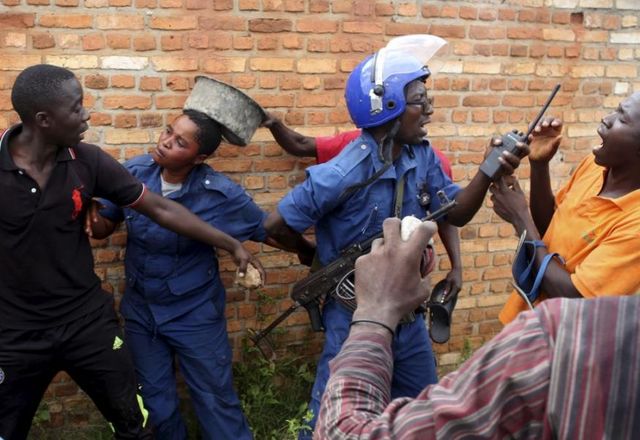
x: 569, y: 369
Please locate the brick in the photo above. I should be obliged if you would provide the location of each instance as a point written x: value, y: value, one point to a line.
x: 272, y: 64
x: 524, y: 33
x: 120, y: 22
x: 318, y: 6
x: 171, y: 42
x: 126, y: 136
x: 99, y: 119
x: 593, y: 37
x: 308, y: 65
x: 66, y: 21
x: 486, y: 68
x: 222, y: 5
x: 143, y: 43
x: 198, y: 41
x: 42, y: 41
x: 118, y: 41
x: 481, y: 101
x: 270, y: 25
x: 625, y: 37
x: 448, y: 31
x: 172, y: 101
x: 174, y: 23
x: 518, y: 101
x: 558, y: 34
x: 93, y: 42
x: 125, y: 121
x: 196, y: 4
x: 123, y: 81
x: 553, y: 70
x: 126, y: 102
x: 173, y: 64
x: 275, y: 100
x: 393, y: 29
x: 15, y: 39
x: 124, y: 63
x: 223, y: 23
x: 587, y: 71
x: 487, y: 32
x: 16, y: 21
x: 73, y: 61
x: 407, y: 9
x: 520, y: 68
x: 224, y: 65
x: 177, y: 83
x: 265, y: 43
x: 362, y: 27
x: 622, y: 71
x: 383, y: 10
x: 96, y: 81
x: 596, y: 3
x: 150, y: 120
x: 316, y: 26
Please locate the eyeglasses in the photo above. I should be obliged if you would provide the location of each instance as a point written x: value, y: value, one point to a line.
x: 426, y: 104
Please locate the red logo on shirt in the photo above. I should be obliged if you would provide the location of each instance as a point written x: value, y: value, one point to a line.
x: 76, y: 197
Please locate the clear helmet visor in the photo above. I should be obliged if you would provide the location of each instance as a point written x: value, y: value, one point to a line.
x: 421, y: 47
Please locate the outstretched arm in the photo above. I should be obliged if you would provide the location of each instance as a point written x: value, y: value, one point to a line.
x: 290, y: 140
x: 470, y: 198
x: 174, y: 216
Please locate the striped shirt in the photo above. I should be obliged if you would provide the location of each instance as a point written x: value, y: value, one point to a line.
x: 569, y: 370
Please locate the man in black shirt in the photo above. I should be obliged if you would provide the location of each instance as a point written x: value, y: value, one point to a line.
x: 53, y: 313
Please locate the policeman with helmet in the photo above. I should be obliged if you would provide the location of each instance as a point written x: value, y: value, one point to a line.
x: 390, y: 170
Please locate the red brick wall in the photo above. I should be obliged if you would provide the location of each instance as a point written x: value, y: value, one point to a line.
x: 137, y: 60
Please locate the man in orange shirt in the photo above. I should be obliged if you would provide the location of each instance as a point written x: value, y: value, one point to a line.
x: 593, y: 223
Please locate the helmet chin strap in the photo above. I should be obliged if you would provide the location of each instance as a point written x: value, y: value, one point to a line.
x: 385, y: 151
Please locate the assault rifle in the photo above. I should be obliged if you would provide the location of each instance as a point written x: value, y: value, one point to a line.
x: 309, y: 291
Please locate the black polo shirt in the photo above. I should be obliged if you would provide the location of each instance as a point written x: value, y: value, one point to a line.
x: 46, y: 264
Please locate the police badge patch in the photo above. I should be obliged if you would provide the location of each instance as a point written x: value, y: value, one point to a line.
x: 1, y: 377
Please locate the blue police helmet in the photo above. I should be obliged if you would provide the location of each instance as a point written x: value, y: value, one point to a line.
x: 375, y: 89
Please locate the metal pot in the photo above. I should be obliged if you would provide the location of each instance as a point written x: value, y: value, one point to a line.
x: 239, y: 115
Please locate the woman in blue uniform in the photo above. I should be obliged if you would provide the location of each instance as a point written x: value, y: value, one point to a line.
x: 174, y: 299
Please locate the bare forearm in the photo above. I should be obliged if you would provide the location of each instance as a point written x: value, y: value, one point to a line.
x: 292, y: 141
x: 556, y: 282
x: 469, y: 200
x: 451, y: 241
x: 541, y: 200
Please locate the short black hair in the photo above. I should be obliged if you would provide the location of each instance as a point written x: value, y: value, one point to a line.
x: 37, y: 88
x: 209, y: 133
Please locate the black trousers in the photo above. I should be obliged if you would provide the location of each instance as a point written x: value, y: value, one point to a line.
x: 91, y: 350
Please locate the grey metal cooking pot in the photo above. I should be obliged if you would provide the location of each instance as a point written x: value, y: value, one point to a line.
x: 239, y: 115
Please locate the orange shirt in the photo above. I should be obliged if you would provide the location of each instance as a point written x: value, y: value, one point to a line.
x: 598, y: 237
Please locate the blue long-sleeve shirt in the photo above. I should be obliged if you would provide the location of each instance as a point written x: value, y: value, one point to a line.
x: 168, y: 275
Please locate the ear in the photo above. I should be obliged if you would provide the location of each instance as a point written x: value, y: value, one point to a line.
x: 42, y: 120
x: 199, y: 159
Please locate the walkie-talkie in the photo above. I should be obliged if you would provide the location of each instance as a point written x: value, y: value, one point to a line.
x: 491, y: 165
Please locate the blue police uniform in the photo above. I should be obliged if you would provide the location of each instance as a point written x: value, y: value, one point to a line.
x: 340, y: 223
x: 174, y: 302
